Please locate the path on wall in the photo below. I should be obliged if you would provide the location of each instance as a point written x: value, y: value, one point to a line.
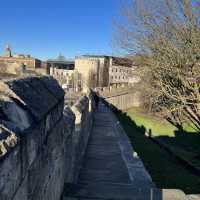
x: 110, y: 171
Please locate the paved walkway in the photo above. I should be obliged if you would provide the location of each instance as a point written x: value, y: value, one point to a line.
x: 111, y: 170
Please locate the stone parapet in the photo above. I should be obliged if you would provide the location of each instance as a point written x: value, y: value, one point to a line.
x: 83, y: 113
x: 41, y: 147
x: 124, y: 101
x: 152, y: 193
x: 122, y: 98
x: 33, y: 139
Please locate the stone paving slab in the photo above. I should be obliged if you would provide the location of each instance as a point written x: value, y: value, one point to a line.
x: 109, y: 170
x: 104, y: 176
x: 138, y: 174
x: 116, y: 192
x: 99, y: 148
x: 100, y: 135
x: 98, y: 164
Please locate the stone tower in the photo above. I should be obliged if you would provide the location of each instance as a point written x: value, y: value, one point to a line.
x: 8, y: 52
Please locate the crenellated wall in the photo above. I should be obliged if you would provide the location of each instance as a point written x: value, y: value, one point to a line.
x: 40, y: 148
x: 83, y: 112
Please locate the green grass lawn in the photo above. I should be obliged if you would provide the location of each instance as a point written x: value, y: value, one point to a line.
x: 158, y: 126
x: 184, y: 144
x: 164, y: 169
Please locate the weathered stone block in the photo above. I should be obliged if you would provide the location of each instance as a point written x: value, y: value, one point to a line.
x: 22, y: 192
x: 10, y: 174
x: 37, y: 101
x: 50, y: 150
x: 30, y: 97
x: 54, y: 116
x: 31, y: 145
x: 53, y: 87
x: 35, y: 168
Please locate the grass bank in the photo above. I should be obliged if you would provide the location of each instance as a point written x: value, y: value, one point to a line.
x: 158, y: 126
x: 165, y: 170
x: 185, y: 144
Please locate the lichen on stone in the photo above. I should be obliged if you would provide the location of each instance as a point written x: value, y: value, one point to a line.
x: 8, y: 140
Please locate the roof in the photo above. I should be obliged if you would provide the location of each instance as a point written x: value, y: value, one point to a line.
x: 119, y: 61
x: 93, y: 56
x: 18, y: 58
x: 122, y: 62
x: 61, y: 60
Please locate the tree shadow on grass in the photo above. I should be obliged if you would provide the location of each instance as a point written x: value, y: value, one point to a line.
x: 165, y: 169
x: 184, y: 144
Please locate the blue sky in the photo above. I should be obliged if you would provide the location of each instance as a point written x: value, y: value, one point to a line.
x: 45, y: 28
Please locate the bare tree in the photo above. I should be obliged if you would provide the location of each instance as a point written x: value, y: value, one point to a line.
x: 167, y: 34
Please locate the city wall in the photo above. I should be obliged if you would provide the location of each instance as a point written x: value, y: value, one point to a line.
x: 122, y: 99
x: 41, y: 147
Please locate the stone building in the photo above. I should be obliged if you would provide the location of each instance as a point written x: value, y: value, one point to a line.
x: 11, y: 64
x: 63, y: 71
x: 66, y: 78
x: 27, y: 60
x: 104, y: 71
x: 94, y: 70
x: 88, y: 68
x: 121, y: 72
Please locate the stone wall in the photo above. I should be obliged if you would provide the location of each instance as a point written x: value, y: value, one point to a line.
x: 83, y: 113
x: 40, y: 148
x: 124, y: 100
x: 30, y: 62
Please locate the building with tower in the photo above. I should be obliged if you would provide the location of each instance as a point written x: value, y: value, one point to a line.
x: 103, y: 71
x: 10, y: 63
x: 8, y: 52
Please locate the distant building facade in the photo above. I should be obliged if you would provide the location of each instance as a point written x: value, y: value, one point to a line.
x: 94, y: 70
x: 104, y: 71
x: 10, y: 63
x: 59, y: 63
x: 63, y: 71
x: 27, y: 60
x: 121, y: 72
